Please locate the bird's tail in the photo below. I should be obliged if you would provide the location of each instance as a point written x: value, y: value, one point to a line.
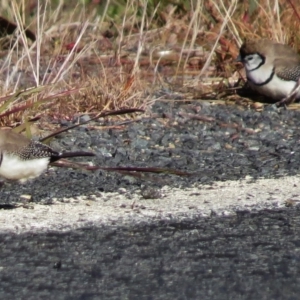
x: 70, y: 154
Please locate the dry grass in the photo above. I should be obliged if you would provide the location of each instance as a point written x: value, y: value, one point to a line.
x: 91, y: 58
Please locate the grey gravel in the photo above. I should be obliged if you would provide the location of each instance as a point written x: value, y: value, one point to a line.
x: 238, y: 143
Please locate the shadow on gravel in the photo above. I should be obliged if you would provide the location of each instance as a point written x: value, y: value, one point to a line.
x: 248, y: 256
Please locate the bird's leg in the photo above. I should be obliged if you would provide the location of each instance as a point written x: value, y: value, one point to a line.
x: 291, y: 97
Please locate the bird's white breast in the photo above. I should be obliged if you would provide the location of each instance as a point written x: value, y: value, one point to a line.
x: 275, y: 88
x: 13, y: 168
x: 259, y: 75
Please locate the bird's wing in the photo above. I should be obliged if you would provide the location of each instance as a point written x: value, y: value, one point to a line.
x: 36, y: 150
x: 287, y: 69
x: 29, y: 151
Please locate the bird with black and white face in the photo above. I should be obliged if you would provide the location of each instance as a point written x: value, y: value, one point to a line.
x: 272, y: 69
x: 22, y: 159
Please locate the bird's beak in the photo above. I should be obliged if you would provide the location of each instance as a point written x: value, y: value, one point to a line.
x: 238, y: 59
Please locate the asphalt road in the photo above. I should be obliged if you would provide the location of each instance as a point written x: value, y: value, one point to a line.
x: 133, y: 253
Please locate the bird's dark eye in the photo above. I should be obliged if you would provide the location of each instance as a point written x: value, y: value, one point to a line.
x: 249, y: 58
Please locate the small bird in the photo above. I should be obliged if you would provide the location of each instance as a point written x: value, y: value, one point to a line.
x: 22, y: 159
x: 272, y: 69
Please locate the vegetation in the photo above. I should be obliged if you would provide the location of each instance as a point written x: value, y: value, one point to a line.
x: 105, y: 55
